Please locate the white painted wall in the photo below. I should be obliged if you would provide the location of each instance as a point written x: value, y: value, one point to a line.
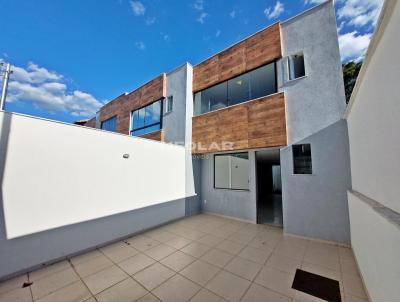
x: 55, y: 174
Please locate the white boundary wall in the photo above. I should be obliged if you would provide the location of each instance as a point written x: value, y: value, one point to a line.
x: 55, y: 174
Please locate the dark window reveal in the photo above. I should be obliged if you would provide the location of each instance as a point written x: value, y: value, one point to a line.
x: 296, y: 66
x: 302, y: 159
x: 110, y: 124
x: 147, y: 119
x: 248, y: 86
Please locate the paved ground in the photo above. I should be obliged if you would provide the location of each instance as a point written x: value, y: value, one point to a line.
x: 201, y: 258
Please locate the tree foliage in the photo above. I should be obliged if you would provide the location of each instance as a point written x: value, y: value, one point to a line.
x: 350, y: 73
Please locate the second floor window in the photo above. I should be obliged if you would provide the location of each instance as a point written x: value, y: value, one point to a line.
x: 110, y: 124
x: 146, y: 119
x: 248, y: 86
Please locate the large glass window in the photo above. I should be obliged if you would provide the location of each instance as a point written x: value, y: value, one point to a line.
x: 248, y: 86
x: 110, y: 124
x: 147, y: 119
x: 231, y: 171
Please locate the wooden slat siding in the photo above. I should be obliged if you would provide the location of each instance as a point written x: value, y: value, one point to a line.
x: 256, y: 124
x: 156, y: 135
x: 91, y: 123
x: 122, y: 105
x: 255, y: 51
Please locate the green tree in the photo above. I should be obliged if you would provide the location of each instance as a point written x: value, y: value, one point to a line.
x: 350, y: 73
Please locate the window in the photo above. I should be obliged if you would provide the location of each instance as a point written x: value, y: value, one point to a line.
x: 110, y: 124
x: 302, y: 159
x: 296, y: 66
x: 231, y: 171
x: 169, y: 104
x: 147, y: 119
x: 248, y: 86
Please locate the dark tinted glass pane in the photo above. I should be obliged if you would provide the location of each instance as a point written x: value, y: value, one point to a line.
x: 146, y: 130
x: 138, y: 118
x: 198, y: 104
x: 302, y: 159
x: 152, y: 113
x: 238, y: 89
x: 110, y: 124
x: 298, y: 62
x: 262, y: 81
x: 215, y: 96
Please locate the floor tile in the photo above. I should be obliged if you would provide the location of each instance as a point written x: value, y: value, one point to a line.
x: 283, y: 263
x: 118, y: 251
x: 53, y: 282
x: 351, y: 298
x: 85, y: 257
x: 92, y: 266
x: 160, y: 251
x: 206, y: 296
x: 257, y: 293
x: 125, y: 291
x: 149, y: 298
x: 200, y: 272
x: 299, y: 296
x: 244, y: 268
x: 104, y: 279
x: 353, y: 285
x: 196, y: 249
x: 349, y: 266
x: 176, y: 289
x: 75, y: 292
x: 13, y: 283
x: 254, y: 254
x: 142, y: 243
x: 230, y: 247
x: 136, y: 263
x: 263, y: 242
x: 290, y: 250
x: 48, y: 270
x: 322, y: 271
x: 240, y: 238
x: 153, y: 276
x: 210, y: 240
x: 217, y: 257
x: 275, y: 280
x: 17, y: 295
x: 160, y: 235
x: 325, y: 256
x: 178, y: 242
x: 228, y: 286
x: 178, y: 261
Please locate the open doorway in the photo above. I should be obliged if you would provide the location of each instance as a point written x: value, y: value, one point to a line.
x: 269, y: 187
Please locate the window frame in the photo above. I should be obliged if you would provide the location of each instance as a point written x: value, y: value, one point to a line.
x: 274, y: 62
x: 107, y: 120
x: 248, y: 170
x: 132, y: 129
x: 169, y: 100
x: 288, y: 60
x: 294, y: 161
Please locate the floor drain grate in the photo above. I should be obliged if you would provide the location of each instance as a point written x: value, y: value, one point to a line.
x: 317, y: 286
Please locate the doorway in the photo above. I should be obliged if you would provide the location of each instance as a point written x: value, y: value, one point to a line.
x: 269, y: 187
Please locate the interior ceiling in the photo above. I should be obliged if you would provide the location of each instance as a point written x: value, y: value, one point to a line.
x: 268, y: 156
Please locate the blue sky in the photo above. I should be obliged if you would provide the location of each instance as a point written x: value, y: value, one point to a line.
x: 70, y: 57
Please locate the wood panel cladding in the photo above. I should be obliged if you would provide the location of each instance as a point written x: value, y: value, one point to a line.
x: 260, y: 123
x: 156, y: 135
x: 255, y: 51
x: 122, y: 105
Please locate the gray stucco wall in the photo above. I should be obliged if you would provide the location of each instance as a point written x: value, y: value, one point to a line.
x: 316, y: 100
x: 316, y: 205
x: 235, y: 203
x: 25, y: 253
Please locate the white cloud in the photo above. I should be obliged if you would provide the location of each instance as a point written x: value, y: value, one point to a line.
x: 198, y: 5
x: 166, y: 37
x: 314, y: 1
x: 137, y: 8
x: 359, y: 12
x: 150, y: 20
x: 140, y: 45
x: 201, y: 18
x: 46, y: 90
x: 275, y: 12
x: 353, y: 45
x: 232, y: 14
x: 218, y: 33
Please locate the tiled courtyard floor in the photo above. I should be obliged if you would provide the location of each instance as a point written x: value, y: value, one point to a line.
x: 201, y: 258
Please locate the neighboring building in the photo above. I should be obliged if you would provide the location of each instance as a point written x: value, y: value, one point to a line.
x: 265, y: 116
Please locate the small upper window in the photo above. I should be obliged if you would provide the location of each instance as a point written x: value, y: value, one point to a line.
x: 296, y: 66
x: 302, y: 159
x: 169, y: 104
x: 110, y: 124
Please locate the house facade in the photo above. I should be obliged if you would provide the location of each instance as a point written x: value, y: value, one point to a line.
x: 262, y: 125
